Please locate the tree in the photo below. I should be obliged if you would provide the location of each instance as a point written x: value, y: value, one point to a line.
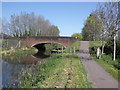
x: 78, y: 35
x: 119, y: 35
x: 28, y: 24
x: 53, y: 31
x: 92, y: 28
x: 109, y: 15
x: 103, y: 23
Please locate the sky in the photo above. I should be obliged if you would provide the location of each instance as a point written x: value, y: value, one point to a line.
x: 68, y: 16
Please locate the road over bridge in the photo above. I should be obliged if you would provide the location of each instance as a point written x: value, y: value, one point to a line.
x: 39, y: 41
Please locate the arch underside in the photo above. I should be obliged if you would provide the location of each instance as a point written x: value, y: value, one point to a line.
x: 41, y: 45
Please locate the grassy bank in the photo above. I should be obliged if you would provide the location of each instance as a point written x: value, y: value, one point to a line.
x: 19, y: 52
x: 63, y: 70
x: 60, y: 71
x: 75, y: 46
x: 106, y: 62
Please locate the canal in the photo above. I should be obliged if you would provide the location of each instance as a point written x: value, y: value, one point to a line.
x: 14, y: 68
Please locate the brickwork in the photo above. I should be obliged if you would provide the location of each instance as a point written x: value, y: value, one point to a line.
x: 32, y: 41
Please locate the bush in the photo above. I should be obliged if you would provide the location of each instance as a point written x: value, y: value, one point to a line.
x: 93, y: 50
x: 108, y: 59
x: 118, y: 49
x: 108, y: 49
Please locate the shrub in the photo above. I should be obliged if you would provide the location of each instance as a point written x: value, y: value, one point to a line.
x: 108, y: 49
x: 93, y: 50
x: 118, y: 49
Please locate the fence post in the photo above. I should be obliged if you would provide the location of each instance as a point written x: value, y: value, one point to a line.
x: 66, y: 50
x: 70, y: 50
x: 62, y: 49
x: 74, y: 50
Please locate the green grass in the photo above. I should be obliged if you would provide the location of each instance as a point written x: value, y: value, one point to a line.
x: 60, y: 71
x: 94, y: 43
x: 106, y: 62
x: 63, y: 70
x: 75, y: 45
x: 18, y: 52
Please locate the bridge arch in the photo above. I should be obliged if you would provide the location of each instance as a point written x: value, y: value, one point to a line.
x: 33, y: 41
x: 41, y: 45
x: 47, y: 43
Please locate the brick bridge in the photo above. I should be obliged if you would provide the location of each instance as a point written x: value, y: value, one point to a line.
x: 39, y: 42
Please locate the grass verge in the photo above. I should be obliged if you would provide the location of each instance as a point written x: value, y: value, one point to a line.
x: 60, y: 71
x: 19, y: 52
x: 75, y: 45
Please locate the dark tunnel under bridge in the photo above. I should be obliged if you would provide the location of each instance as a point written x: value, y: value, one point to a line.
x: 41, y: 46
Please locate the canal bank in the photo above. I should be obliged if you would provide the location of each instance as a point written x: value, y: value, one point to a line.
x: 58, y: 70
x: 14, y: 62
x: 20, y: 51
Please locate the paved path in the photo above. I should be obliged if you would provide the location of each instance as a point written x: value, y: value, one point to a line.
x: 96, y: 74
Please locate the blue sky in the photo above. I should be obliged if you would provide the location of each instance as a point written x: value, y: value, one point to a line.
x: 68, y: 16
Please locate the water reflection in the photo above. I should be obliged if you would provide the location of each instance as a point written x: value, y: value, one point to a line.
x: 13, y: 65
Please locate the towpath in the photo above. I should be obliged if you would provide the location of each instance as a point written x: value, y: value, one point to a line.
x: 96, y: 74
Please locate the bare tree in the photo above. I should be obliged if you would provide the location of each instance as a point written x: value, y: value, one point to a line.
x: 53, y: 31
x: 108, y: 13
x: 28, y: 24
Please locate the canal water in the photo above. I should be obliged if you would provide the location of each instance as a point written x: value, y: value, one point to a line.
x: 13, y: 67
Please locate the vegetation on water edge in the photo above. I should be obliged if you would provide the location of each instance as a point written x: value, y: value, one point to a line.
x: 63, y: 70
x: 59, y: 71
x: 112, y: 67
x: 20, y: 52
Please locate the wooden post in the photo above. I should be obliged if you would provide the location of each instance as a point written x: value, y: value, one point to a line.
x: 57, y: 51
x: 62, y: 49
x: 70, y: 50
x: 74, y: 50
x: 114, y: 48
x: 98, y: 53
